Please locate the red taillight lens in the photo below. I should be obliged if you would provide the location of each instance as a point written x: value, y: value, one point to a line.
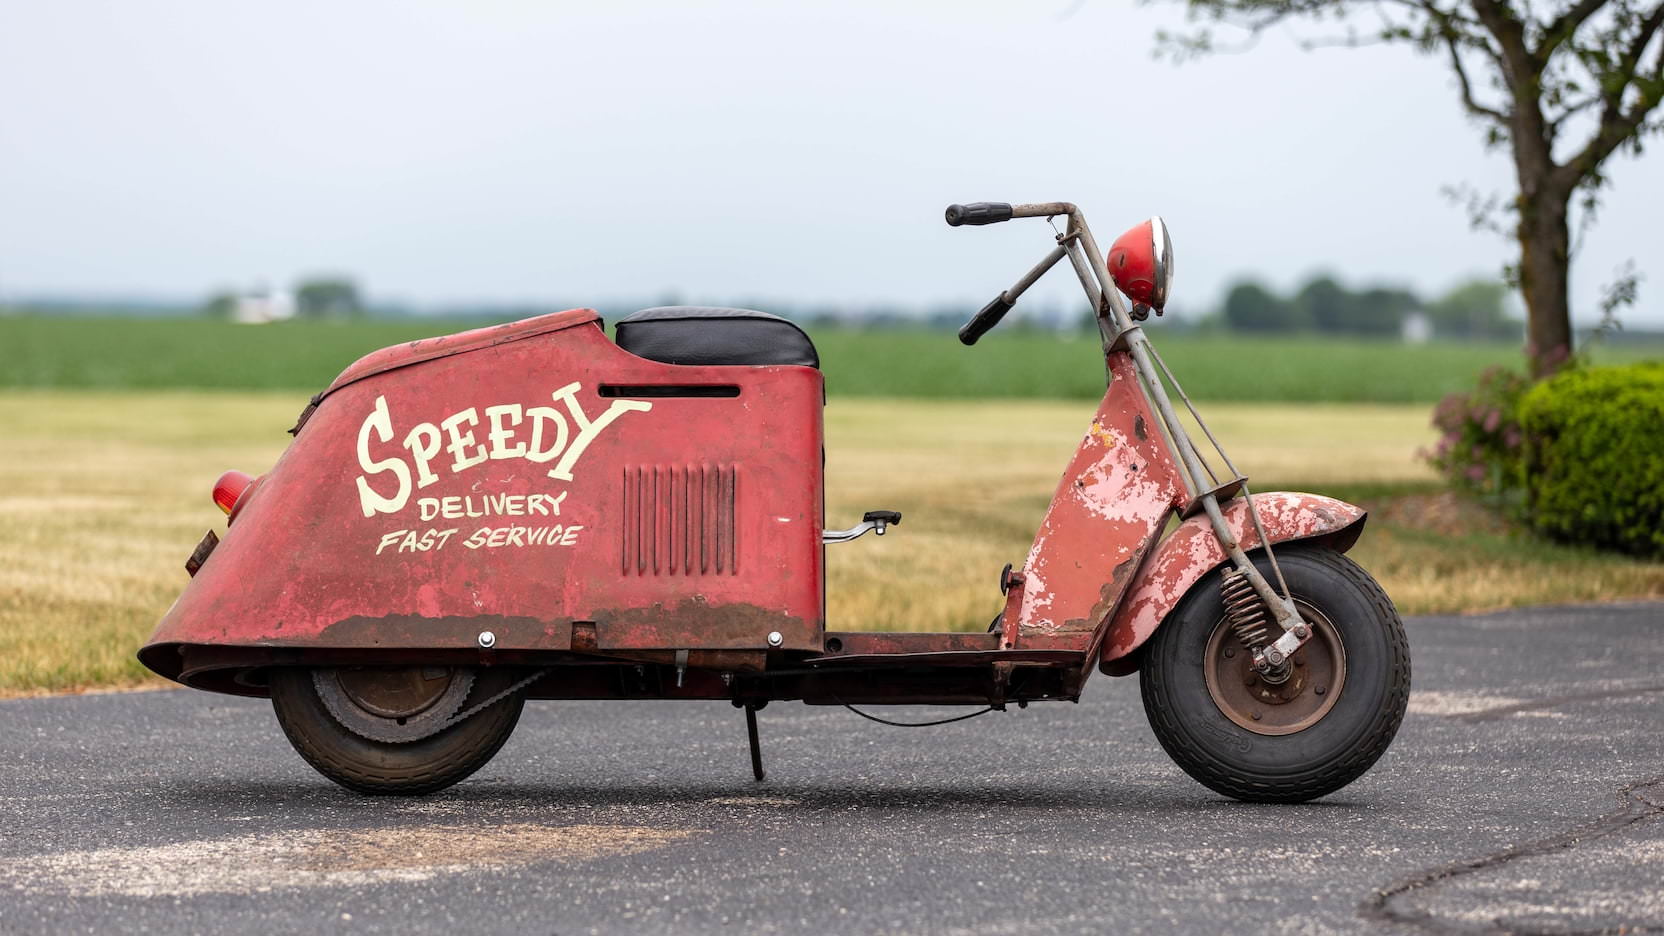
x: 229, y: 488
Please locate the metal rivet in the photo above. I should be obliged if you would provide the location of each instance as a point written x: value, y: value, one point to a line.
x: 1230, y: 652
x: 1248, y: 680
x: 488, y: 640
x: 775, y: 638
x: 1321, y: 689
x: 1255, y: 716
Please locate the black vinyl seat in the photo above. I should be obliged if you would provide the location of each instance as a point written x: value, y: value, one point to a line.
x: 712, y: 335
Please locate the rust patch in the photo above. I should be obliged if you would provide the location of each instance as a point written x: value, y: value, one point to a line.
x: 696, y: 623
x: 1192, y: 551
x: 411, y: 631
x: 1138, y: 428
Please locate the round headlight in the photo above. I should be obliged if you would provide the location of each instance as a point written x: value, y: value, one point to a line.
x: 1141, y: 262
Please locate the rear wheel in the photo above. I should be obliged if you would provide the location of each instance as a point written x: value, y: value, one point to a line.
x: 1306, y: 735
x: 385, y: 730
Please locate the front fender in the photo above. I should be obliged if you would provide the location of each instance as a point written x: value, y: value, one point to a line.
x: 1192, y: 551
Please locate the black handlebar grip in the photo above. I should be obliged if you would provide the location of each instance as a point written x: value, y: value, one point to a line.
x: 981, y: 212
x: 981, y: 322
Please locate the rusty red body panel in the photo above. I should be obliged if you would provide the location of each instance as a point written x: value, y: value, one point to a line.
x: 1192, y: 551
x: 1110, y: 505
x: 520, y: 479
x: 602, y: 512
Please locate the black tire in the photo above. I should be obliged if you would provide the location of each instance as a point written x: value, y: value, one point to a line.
x: 402, y: 769
x: 1311, y: 761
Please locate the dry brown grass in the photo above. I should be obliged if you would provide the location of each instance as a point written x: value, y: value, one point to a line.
x: 102, y: 495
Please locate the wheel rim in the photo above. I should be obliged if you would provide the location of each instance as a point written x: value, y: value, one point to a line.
x: 1317, y: 674
x: 395, y: 693
x: 393, y: 704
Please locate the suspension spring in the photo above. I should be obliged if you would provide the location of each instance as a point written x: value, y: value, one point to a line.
x: 1244, y: 610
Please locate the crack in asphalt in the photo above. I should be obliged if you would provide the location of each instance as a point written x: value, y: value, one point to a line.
x: 1639, y: 807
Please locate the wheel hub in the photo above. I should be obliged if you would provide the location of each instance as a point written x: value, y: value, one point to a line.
x: 395, y: 705
x: 1307, y: 691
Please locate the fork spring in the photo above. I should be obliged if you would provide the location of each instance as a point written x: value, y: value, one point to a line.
x: 1244, y: 610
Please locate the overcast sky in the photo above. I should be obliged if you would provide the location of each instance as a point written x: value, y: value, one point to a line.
x: 582, y: 152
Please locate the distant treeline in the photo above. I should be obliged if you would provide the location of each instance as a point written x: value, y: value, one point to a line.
x: 1474, y: 310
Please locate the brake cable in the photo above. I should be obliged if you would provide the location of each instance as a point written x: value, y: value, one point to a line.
x: 928, y: 724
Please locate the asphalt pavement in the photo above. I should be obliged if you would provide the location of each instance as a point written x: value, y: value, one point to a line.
x: 1525, y: 793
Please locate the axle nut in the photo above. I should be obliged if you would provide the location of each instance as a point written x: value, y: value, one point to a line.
x: 487, y: 640
x: 775, y: 638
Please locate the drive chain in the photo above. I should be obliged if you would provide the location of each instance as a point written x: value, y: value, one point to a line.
x: 371, y: 728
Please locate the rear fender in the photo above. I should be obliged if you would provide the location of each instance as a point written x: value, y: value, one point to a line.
x: 1192, y: 551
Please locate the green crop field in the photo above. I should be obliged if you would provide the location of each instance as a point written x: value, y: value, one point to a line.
x: 110, y: 354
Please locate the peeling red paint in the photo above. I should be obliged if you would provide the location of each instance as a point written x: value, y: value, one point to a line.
x: 1110, y: 505
x: 1193, y: 551
x: 307, y: 564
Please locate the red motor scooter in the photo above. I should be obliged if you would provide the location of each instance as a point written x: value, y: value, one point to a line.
x: 531, y: 511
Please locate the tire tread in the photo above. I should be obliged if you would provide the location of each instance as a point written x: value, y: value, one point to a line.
x: 1193, y: 758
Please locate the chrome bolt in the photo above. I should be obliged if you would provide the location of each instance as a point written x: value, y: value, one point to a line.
x: 775, y: 638
x: 487, y: 640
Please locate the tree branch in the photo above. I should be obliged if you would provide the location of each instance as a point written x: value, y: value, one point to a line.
x: 1500, y: 22
x: 1571, y: 110
x: 1473, y: 106
x: 1649, y: 27
x: 1616, y: 123
x: 1565, y: 25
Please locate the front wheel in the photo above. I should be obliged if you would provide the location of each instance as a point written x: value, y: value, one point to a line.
x: 1308, y: 734
x: 392, y: 729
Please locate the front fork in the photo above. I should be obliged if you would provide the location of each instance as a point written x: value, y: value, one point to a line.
x: 1120, y: 332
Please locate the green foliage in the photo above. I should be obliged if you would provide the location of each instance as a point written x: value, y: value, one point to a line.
x: 1250, y: 307
x: 1474, y: 309
x: 328, y: 297
x: 220, y: 305
x: 1331, y: 307
x: 1322, y: 304
x: 1594, y: 457
x: 1481, y: 445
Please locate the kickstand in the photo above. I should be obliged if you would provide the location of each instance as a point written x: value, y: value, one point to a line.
x: 751, y: 734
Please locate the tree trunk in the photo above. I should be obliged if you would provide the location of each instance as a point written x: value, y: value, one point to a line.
x: 1545, y: 259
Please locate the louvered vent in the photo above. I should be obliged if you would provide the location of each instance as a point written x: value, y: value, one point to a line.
x: 679, y: 520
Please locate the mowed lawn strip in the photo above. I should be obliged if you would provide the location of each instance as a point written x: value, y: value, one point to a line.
x: 102, y: 496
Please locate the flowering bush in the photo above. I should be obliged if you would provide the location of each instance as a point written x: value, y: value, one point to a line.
x: 1481, y: 447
